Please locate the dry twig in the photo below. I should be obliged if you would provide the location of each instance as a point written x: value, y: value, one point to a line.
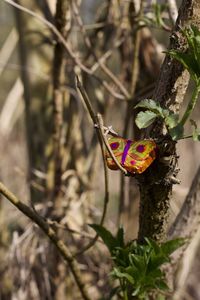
x: 106, y: 197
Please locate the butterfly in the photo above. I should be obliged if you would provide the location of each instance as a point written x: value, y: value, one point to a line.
x: 134, y: 156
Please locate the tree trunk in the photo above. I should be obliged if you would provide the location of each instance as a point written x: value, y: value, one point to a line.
x: 155, y: 184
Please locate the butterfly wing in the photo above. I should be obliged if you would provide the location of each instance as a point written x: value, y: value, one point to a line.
x: 134, y: 156
x: 140, y: 155
x: 117, y: 145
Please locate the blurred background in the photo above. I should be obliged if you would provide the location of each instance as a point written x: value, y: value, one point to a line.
x: 50, y: 156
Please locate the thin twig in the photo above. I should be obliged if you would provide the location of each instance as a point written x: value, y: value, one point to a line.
x: 48, y: 230
x: 108, y: 130
x: 106, y: 196
x: 107, y: 54
x: 67, y: 228
x: 135, y: 64
x: 86, y: 101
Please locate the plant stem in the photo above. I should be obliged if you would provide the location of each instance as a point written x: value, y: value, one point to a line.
x: 99, y: 136
x: 125, y: 295
x: 191, y: 105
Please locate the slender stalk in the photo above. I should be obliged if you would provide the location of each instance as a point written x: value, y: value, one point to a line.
x: 125, y: 295
x: 48, y: 230
x: 191, y: 105
x: 99, y: 136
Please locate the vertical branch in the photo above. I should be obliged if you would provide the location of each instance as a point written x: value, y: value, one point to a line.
x: 97, y: 120
x: 155, y: 184
x: 61, y: 18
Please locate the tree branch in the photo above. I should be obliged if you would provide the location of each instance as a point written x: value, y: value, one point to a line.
x: 61, y: 23
x: 106, y: 196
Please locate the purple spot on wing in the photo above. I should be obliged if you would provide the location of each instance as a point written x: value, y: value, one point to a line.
x: 114, y: 146
x: 140, y: 148
x: 128, y: 144
x: 133, y: 162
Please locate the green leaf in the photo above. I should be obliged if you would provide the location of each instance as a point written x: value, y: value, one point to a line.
x: 153, y: 245
x: 156, y: 261
x: 161, y: 285
x: 136, y: 291
x: 138, y: 267
x: 192, y: 34
x: 191, y: 58
x: 120, y: 237
x: 176, y: 132
x: 134, y: 272
x: 188, y: 61
x: 155, y: 274
x: 119, y: 274
x: 171, y: 120
x: 153, y: 106
x: 172, y: 245
x: 158, y: 9
x: 144, y: 119
x: 138, y: 261
x: 107, y: 237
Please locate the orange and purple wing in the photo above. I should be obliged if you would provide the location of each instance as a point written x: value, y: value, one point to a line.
x: 134, y: 156
x: 140, y: 156
x: 117, y: 144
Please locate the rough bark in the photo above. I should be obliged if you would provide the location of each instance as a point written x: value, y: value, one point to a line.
x: 155, y: 184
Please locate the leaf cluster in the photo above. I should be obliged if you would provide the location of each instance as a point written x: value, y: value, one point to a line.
x: 137, y: 266
x: 191, y: 58
x: 152, y: 111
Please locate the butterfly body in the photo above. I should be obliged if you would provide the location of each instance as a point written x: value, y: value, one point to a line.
x: 134, y: 156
